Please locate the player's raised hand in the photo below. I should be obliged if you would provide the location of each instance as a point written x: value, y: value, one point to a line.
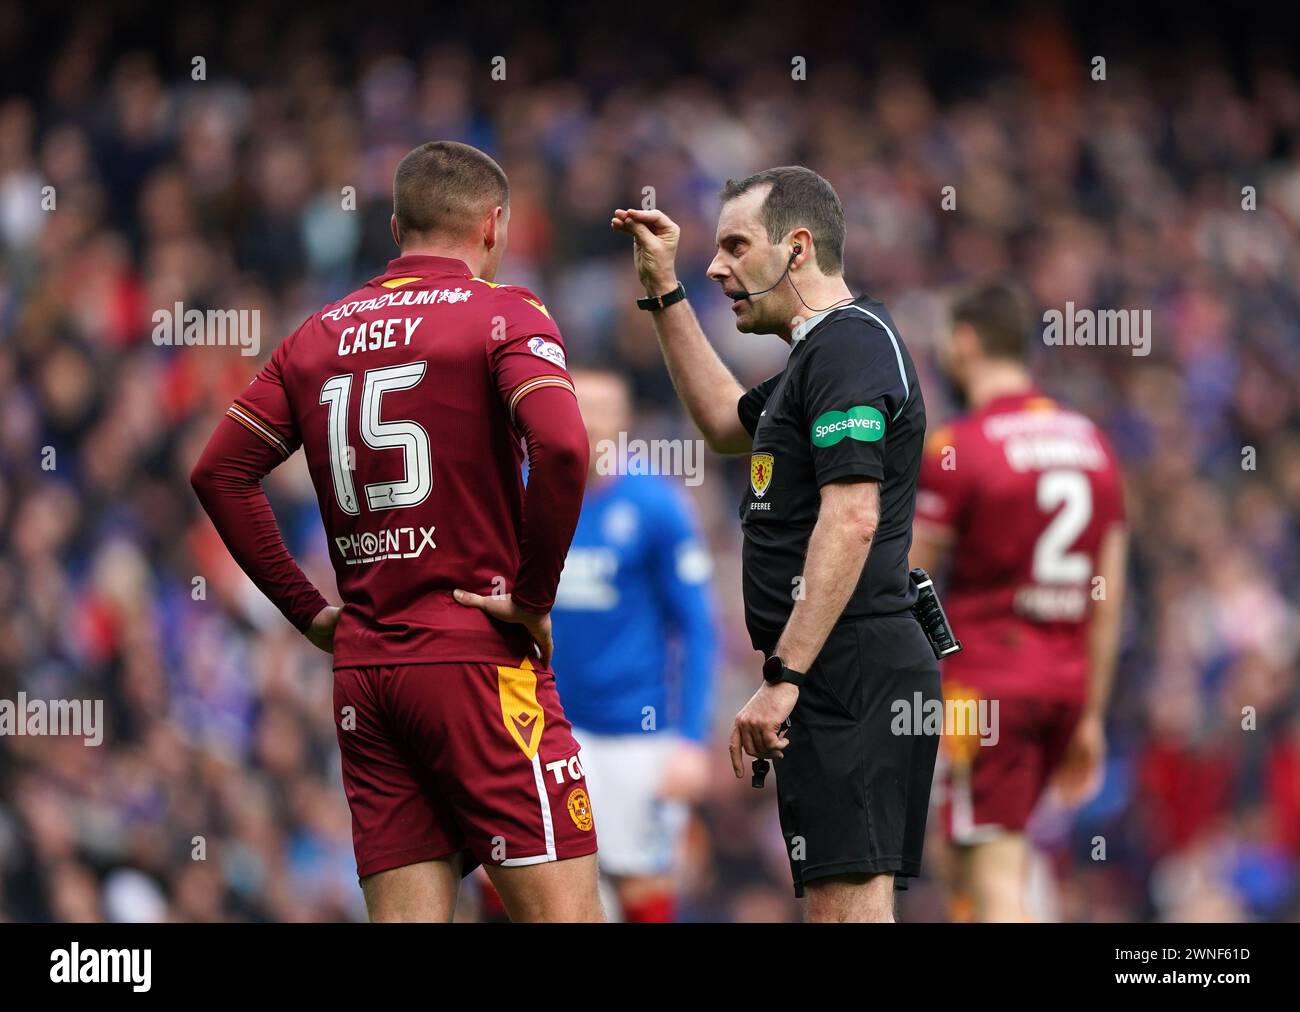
x: 655, y: 238
x: 502, y: 608
x: 321, y: 630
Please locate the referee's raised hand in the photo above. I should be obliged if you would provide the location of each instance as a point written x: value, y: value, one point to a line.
x: 655, y: 235
x: 757, y: 728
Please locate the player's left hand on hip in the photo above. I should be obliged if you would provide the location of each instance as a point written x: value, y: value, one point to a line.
x: 757, y: 728
x: 502, y: 608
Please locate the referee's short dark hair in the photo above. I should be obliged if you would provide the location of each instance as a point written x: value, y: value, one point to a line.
x: 799, y: 197
x: 444, y: 187
x: 999, y: 313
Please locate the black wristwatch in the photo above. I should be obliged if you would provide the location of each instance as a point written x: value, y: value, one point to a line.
x: 657, y: 302
x: 775, y: 672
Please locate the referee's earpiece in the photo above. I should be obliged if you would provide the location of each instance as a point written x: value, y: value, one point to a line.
x: 742, y: 294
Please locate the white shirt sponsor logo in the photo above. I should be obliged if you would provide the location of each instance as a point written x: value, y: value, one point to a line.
x: 406, y: 297
x: 588, y: 583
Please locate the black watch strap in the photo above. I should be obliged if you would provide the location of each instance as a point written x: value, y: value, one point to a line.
x: 775, y: 671
x: 657, y: 302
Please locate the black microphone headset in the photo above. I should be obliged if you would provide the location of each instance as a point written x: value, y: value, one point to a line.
x: 742, y: 294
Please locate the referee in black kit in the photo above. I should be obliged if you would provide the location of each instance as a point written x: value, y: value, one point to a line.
x: 835, y: 445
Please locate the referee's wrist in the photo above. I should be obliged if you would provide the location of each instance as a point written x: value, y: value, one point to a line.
x: 661, y: 285
x: 793, y: 658
x: 778, y: 671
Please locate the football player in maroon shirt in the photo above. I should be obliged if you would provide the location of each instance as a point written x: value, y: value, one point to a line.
x: 1022, y: 497
x: 412, y: 399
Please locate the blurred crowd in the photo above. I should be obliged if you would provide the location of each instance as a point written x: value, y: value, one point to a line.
x: 130, y: 181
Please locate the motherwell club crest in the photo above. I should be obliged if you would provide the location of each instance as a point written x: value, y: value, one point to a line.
x: 760, y: 473
x: 579, y: 806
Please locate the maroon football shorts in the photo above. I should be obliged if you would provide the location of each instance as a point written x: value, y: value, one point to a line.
x: 459, y: 757
x: 992, y: 789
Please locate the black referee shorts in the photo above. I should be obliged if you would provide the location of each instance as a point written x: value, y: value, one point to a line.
x: 853, y: 794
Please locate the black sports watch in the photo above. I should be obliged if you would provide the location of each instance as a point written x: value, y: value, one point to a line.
x: 775, y: 672
x: 657, y: 302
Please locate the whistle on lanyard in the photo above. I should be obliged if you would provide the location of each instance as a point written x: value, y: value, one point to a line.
x: 759, y: 767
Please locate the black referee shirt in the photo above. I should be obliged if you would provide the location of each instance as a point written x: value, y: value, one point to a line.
x: 847, y: 405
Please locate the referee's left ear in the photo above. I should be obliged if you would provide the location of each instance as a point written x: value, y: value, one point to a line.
x: 800, y: 248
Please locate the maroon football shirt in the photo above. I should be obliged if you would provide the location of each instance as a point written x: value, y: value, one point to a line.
x: 1028, y: 489
x: 405, y: 397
